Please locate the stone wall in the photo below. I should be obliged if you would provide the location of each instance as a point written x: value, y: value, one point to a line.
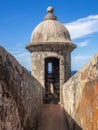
x: 20, y: 95
x: 80, y: 97
x: 38, y: 65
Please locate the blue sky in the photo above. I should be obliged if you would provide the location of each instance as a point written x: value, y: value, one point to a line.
x: 18, y: 18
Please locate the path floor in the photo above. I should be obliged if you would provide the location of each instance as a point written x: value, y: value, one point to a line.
x: 52, y: 118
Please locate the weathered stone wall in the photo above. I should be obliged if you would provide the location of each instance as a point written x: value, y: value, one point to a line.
x: 38, y: 65
x: 20, y: 95
x: 80, y: 97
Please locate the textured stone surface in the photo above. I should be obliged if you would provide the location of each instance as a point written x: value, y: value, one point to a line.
x: 20, y: 95
x: 52, y: 118
x: 51, y: 40
x: 80, y: 97
x: 50, y: 30
x: 38, y: 66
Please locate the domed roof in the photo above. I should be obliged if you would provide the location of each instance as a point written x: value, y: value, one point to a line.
x: 50, y: 30
x: 50, y: 35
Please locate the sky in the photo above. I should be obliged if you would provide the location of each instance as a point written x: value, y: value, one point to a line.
x: 18, y: 18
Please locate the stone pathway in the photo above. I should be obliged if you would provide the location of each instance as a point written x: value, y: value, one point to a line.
x: 52, y: 118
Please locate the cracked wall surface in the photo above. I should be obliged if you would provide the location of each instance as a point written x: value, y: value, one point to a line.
x: 21, y: 96
x: 80, y: 96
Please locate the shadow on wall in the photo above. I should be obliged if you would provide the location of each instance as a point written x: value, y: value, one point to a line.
x: 72, y: 124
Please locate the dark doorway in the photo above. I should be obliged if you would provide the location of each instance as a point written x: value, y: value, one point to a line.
x: 52, y: 89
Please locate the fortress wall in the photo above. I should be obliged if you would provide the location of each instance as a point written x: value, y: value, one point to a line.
x: 20, y: 95
x: 80, y: 97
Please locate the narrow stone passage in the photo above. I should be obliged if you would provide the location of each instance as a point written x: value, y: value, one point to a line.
x: 52, y: 118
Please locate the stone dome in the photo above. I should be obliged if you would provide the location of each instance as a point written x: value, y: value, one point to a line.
x: 50, y: 35
x: 50, y: 31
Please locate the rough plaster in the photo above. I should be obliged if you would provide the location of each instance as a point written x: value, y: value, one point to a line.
x: 21, y: 96
x: 80, y: 96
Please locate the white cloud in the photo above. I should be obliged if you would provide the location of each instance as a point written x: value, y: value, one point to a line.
x: 83, y: 26
x: 6, y: 19
x: 83, y: 44
x: 22, y: 56
x: 81, y: 57
x: 78, y: 61
x: 77, y: 29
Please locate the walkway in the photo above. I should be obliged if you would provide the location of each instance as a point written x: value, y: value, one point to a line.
x: 52, y: 118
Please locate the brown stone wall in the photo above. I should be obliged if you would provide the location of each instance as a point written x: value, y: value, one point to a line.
x: 20, y: 95
x: 80, y: 97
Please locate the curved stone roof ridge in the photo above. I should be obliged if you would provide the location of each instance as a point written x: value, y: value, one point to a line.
x: 50, y: 31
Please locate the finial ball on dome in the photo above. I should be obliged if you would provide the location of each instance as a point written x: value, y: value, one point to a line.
x: 50, y: 9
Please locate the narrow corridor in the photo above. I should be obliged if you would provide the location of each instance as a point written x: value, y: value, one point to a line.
x: 52, y: 118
